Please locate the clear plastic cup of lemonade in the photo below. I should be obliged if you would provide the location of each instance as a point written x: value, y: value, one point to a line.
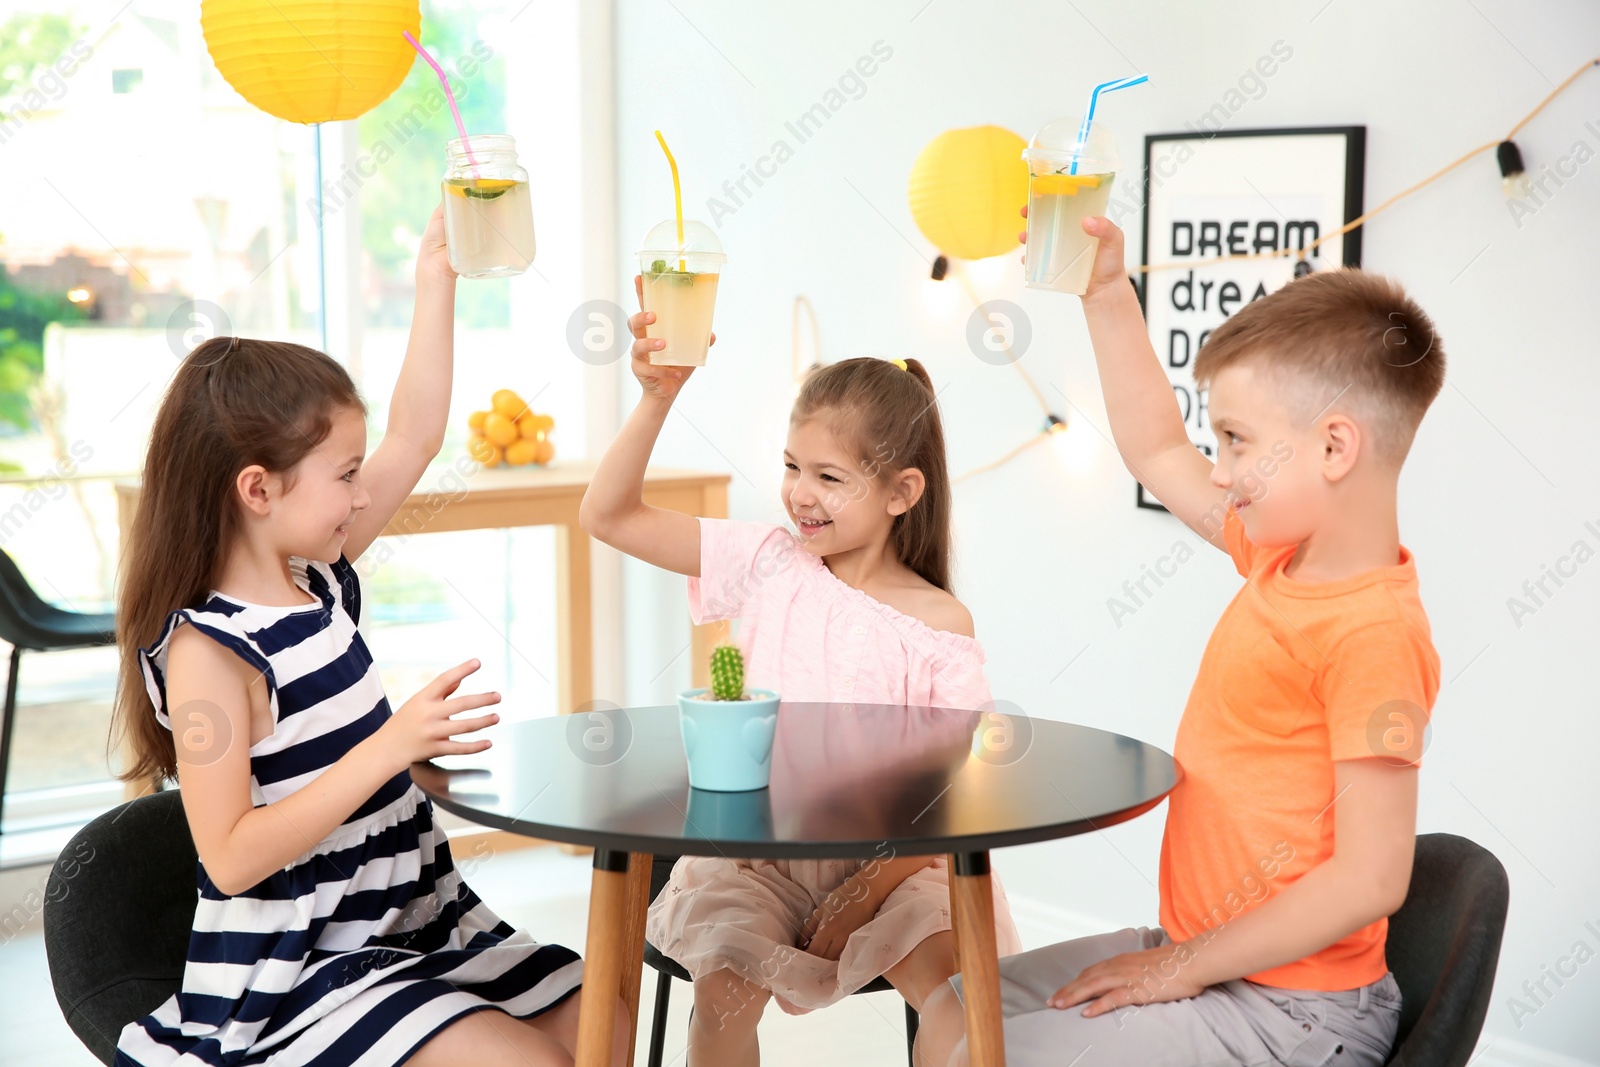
x: 1068, y: 180
x: 680, y: 286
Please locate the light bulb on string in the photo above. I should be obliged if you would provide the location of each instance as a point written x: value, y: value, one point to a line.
x: 991, y: 273
x: 941, y: 300
x: 1513, y: 175
x: 1076, y: 446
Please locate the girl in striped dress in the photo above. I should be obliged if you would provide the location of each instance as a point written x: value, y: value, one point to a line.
x: 332, y: 927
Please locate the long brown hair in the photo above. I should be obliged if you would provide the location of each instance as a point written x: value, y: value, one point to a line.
x: 890, y: 417
x: 234, y: 402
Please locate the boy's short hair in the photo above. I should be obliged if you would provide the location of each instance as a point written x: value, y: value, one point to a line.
x: 1341, y: 336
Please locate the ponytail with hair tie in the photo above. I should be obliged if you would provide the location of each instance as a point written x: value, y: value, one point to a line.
x: 917, y: 371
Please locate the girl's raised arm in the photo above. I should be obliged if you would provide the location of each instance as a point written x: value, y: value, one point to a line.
x: 421, y: 403
x: 613, y: 509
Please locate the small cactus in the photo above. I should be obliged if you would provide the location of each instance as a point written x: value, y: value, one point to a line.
x: 727, y: 673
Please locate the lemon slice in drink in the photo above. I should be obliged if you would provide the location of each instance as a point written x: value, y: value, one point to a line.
x: 1066, y: 184
x: 479, y: 188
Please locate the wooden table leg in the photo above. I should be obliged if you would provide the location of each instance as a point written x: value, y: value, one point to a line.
x: 635, y: 906
x: 603, y: 958
x: 955, y: 916
x: 574, y: 620
x: 972, y: 896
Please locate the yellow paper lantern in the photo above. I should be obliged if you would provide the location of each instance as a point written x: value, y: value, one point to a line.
x: 968, y: 188
x: 317, y: 61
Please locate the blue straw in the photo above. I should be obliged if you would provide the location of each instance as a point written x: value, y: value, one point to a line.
x: 1094, y: 98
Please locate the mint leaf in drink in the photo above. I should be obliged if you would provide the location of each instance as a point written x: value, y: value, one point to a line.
x: 666, y: 270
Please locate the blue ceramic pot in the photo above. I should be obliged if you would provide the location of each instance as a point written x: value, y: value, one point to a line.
x: 728, y: 743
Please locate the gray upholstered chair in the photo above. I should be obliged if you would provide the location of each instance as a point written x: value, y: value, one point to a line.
x: 119, y: 907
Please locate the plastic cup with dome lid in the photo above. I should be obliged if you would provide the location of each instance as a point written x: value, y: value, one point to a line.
x: 1072, y: 164
x: 680, y: 286
x: 1069, y: 180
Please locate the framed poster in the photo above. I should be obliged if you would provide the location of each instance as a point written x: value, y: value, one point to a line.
x: 1237, y: 192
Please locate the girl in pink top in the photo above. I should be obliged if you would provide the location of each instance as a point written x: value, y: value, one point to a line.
x: 854, y: 608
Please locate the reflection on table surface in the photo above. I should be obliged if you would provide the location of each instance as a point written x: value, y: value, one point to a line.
x: 846, y: 778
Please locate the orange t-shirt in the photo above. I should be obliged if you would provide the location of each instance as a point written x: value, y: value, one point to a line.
x: 1296, y: 676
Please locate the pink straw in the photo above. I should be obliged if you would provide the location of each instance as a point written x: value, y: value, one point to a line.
x: 448, y: 95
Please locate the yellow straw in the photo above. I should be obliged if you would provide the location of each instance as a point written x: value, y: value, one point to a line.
x: 677, y: 191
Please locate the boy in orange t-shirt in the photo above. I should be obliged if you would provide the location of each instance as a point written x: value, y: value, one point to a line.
x: 1290, y: 835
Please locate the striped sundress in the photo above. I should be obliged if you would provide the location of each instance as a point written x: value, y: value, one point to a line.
x: 369, y: 943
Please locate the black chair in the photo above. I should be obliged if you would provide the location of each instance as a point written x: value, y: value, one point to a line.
x: 120, y: 903
x: 119, y: 908
x: 667, y: 969
x: 1443, y: 946
x: 27, y: 622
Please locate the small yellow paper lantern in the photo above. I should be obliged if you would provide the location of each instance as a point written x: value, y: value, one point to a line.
x: 312, y: 60
x: 968, y: 188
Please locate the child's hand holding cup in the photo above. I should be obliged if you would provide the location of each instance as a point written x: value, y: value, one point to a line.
x: 658, y: 380
x: 680, y: 264
x: 1108, y: 267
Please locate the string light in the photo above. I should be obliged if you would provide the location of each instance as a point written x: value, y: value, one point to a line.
x: 1510, y: 161
x: 1508, y: 156
x: 1507, y: 180
x: 1053, y: 423
x: 1003, y: 460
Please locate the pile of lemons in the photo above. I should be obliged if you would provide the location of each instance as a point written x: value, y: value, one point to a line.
x: 509, y: 432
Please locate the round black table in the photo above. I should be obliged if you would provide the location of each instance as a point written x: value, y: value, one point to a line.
x: 848, y: 781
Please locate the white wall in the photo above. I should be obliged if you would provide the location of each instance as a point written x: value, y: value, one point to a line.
x: 1500, y: 483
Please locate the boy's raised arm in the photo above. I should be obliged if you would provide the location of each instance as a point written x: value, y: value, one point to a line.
x: 1145, y: 421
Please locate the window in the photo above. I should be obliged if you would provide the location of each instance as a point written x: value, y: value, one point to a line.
x: 130, y: 212
x: 148, y: 206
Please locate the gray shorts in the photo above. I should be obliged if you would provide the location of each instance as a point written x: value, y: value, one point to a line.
x: 1237, y: 1022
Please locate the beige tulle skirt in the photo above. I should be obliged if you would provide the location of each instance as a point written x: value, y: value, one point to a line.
x: 746, y: 915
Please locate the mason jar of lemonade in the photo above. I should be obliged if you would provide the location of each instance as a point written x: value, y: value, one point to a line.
x: 488, y: 213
